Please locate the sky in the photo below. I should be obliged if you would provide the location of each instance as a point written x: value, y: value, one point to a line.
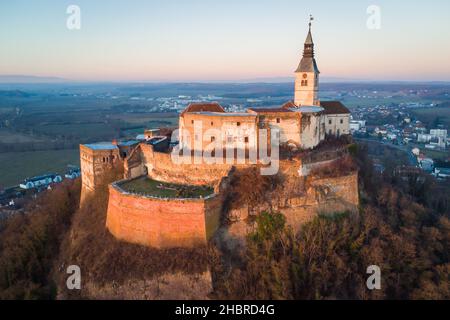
x: 215, y: 40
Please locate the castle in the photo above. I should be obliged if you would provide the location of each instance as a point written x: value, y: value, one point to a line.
x: 159, y: 218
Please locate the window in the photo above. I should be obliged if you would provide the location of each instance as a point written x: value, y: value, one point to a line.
x: 246, y: 139
x: 338, y: 132
x: 342, y: 121
x: 192, y: 121
x: 278, y: 120
x: 304, y: 83
x: 212, y: 123
x: 238, y: 124
x: 330, y: 132
x: 329, y: 121
x: 213, y: 139
x: 196, y: 137
x: 229, y: 139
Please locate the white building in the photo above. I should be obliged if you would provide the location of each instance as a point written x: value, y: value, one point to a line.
x: 40, y: 181
x: 337, y: 118
x: 436, y: 133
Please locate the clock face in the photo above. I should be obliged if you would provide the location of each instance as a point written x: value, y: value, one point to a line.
x: 305, y: 76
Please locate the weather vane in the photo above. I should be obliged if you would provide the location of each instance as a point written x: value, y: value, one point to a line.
x: 311, y: 18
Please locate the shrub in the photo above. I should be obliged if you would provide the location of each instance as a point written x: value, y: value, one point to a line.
x: 29, y: 243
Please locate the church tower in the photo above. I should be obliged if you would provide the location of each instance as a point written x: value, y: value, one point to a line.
x: 307, y: 76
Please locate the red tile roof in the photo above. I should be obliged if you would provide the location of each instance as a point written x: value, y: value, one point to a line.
x: 334, y: 107
x: 202, y: 107
x: 288, y: 105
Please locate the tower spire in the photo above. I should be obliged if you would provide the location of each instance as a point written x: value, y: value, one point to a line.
x: 307, y: 74
x: 309, y: 44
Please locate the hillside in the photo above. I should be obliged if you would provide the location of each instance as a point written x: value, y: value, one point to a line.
x: 402, y: 227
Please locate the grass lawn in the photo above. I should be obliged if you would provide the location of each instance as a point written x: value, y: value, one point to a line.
x: 16, y: 166
x: 166, y: 190
x: 9, y: 136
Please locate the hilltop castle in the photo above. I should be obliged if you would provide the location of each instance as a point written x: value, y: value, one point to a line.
x: 167, y: 221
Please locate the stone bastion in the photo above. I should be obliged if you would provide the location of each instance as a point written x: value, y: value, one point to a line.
x: 161, y: 222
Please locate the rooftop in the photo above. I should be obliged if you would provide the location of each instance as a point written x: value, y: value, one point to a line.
x: 201, y: 107
x: 307, y: 109
x: 334, y: 107
x: 101, y: 146
x: 38, y: 178
x: 110, y: 145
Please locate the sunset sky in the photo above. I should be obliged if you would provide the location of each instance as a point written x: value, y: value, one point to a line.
x: 200, y: 40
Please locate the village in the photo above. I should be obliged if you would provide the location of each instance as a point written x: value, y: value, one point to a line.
x: 397, y: 126
x: 13, y: 198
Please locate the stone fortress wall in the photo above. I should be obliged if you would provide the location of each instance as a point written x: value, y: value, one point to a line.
x: 161, y: 222
x: 175, y: 222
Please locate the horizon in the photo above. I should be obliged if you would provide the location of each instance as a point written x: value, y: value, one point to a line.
x: 36, y: 80
x: 224, y: 42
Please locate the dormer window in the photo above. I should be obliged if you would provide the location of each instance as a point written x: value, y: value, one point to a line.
x: 238, y: 124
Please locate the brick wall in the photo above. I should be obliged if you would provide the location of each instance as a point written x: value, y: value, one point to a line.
x: 161, y: 167
x: 161, y: 223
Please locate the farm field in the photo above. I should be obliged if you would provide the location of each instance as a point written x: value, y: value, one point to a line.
x: 16, y: 166
x: 9, y: 136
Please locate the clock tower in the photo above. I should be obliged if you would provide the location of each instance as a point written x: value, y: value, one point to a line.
x: 307, y: 76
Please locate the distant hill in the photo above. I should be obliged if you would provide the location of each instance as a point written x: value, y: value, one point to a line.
x: 15, y: 94
x: 29, y: 79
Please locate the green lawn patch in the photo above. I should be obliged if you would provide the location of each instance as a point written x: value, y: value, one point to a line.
x: 147, y: 186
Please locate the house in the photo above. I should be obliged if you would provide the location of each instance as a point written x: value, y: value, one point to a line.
x: 40, y: 181
x: 73, y: 173
x: 337, y: 118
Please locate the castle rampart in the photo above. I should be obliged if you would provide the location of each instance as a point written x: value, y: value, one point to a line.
x: 162, y: 222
